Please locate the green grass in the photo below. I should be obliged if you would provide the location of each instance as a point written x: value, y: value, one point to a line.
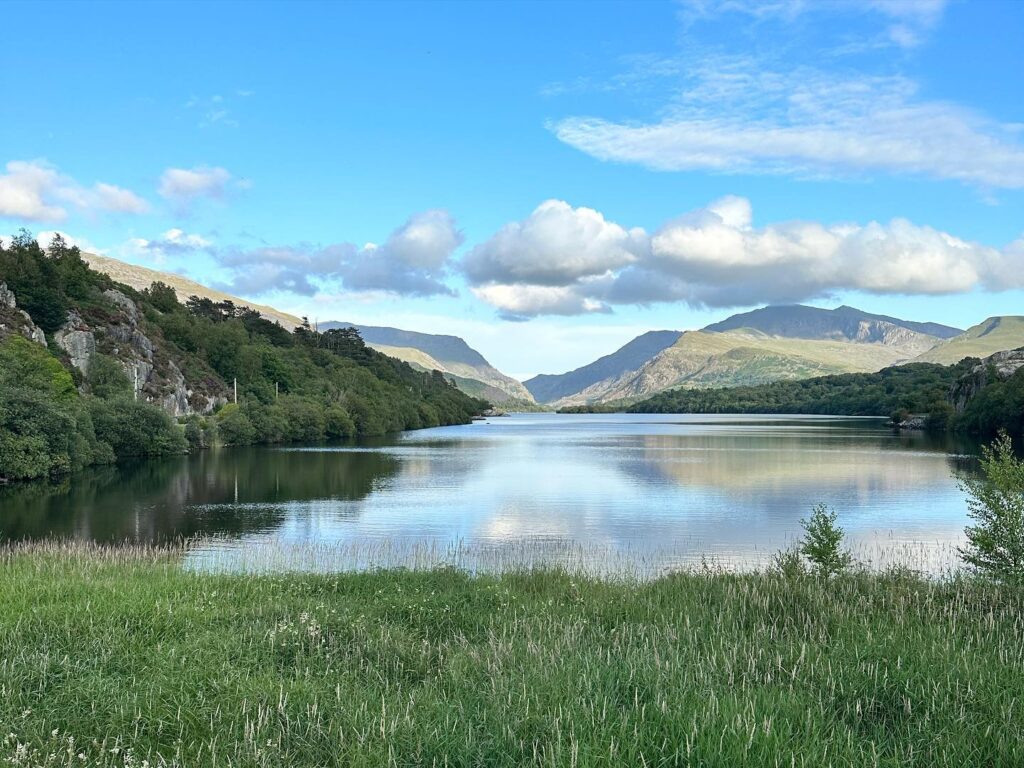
x: 109, y: 657
x: 995, y: 334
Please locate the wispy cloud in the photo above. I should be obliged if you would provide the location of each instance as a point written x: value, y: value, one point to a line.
x: 905, y: 23
x: 218, y: 109
x: 183, y: 186
x: 732, y: 116
x: 36, y: 191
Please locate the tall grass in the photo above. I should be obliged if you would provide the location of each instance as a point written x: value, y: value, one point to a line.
x: 115, y: 656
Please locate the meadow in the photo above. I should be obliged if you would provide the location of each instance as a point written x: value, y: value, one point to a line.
x: 117, y: 656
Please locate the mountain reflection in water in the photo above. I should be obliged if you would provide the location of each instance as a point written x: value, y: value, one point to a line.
x: 650, y: 492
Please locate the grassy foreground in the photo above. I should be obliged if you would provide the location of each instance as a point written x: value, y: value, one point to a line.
x: 112, y: 657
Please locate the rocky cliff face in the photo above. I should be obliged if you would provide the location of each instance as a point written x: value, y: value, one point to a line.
x: 14, y: 320
x: 155, y: 376
x: 997, y: 367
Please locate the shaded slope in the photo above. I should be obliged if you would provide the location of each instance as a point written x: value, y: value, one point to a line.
x: 450, y: 354
x: 550, y: 387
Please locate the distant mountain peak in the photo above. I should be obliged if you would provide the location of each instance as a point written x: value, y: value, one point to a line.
x: 799, y: 321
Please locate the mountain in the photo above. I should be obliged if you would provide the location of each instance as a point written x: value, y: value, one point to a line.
x: 768, y: 344
x: 996, y: 334
x: 548, y: 388
x: 843, y: 324
x: 465, y: 367
x: 451, y: 355
x: 141, y: 278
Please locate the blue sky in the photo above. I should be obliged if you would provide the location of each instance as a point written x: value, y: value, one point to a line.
x: 546, y: 180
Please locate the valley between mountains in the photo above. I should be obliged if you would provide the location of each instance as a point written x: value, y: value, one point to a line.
x: 775, y: 343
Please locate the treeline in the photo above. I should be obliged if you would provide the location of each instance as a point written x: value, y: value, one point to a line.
x: 919, y: 388
x: 292, y: 386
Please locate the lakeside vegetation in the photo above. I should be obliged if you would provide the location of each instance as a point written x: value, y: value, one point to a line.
x: 292, y: 386
x: 917, y: 388
x: 111, y: 656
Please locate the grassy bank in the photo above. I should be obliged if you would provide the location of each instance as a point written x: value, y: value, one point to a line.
x: 109, y: 657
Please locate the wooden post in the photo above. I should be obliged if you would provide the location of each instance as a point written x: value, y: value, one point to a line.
x: 236, y: 391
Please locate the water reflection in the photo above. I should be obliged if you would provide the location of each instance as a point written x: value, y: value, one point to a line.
x: 230, y: 492
x: 647, y: 492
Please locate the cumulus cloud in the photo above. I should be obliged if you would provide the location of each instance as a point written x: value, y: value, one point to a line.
x: 715, y: 256
x: 182, y: 186
x: 554, y: 244
x: 413, y: 261
x: 37, y: 191
x: 739, y: 119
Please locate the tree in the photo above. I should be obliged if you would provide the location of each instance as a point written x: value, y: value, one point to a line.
x: 996, y: 502
x: 822, y: 542
x: 162, y: 296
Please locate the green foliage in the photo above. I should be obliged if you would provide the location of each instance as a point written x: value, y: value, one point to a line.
x: 29, y: 366
x: 107, y: 379
x: 998, y: 406
x: 234, y: 427
x: 123, y: 649
x: 911, y: 388
x: 789, y: 563
x: 163, y: 297
x: 996, y: 504
x: 135, y: 429
x: 302, y: 386
x: 822, y: 543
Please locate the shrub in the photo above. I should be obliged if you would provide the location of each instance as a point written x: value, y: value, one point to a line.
x: 996, y: 502
x: 822, y: 543
x: 234, y: 427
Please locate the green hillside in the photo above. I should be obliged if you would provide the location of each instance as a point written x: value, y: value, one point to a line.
x: 702, y: 359
x: 448, y: 354
x: 92, y: 371
x: 996, y: 334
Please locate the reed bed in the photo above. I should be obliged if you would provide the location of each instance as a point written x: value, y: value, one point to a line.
x: 119, y: 656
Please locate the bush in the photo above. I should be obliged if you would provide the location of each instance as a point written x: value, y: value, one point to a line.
x: 996, y: 502
x: 234, y: 427
x: 822, y: 543
x: 136, y: 429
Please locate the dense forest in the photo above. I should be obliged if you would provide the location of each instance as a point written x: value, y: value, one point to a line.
x: 919, y: 388
x: 291, y: 386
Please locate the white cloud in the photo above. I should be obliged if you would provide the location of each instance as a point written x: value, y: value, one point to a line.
x: 37, y: 191
x: 184, y: 185
x: 554, y: 244
x: 45, y: 237
x: 808, y: 124
x: 413, y: 261
x: 737, y: 118
x: 715, y: 257
x: 519, y: 301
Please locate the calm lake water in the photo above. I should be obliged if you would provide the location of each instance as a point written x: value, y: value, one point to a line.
x: 611, y: 493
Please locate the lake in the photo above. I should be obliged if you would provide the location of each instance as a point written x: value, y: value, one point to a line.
x: 609, y: 493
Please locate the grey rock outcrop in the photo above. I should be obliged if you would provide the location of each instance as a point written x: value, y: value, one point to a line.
x: 77, y: 339
x: 125, y: 304
x: 997, y: 367
x: 18, y: 317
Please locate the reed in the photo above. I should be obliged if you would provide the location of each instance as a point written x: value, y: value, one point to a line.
x: 119, y: 656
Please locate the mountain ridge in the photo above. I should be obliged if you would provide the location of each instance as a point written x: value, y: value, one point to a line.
x: 765, y: 344
x: 452, y: 354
